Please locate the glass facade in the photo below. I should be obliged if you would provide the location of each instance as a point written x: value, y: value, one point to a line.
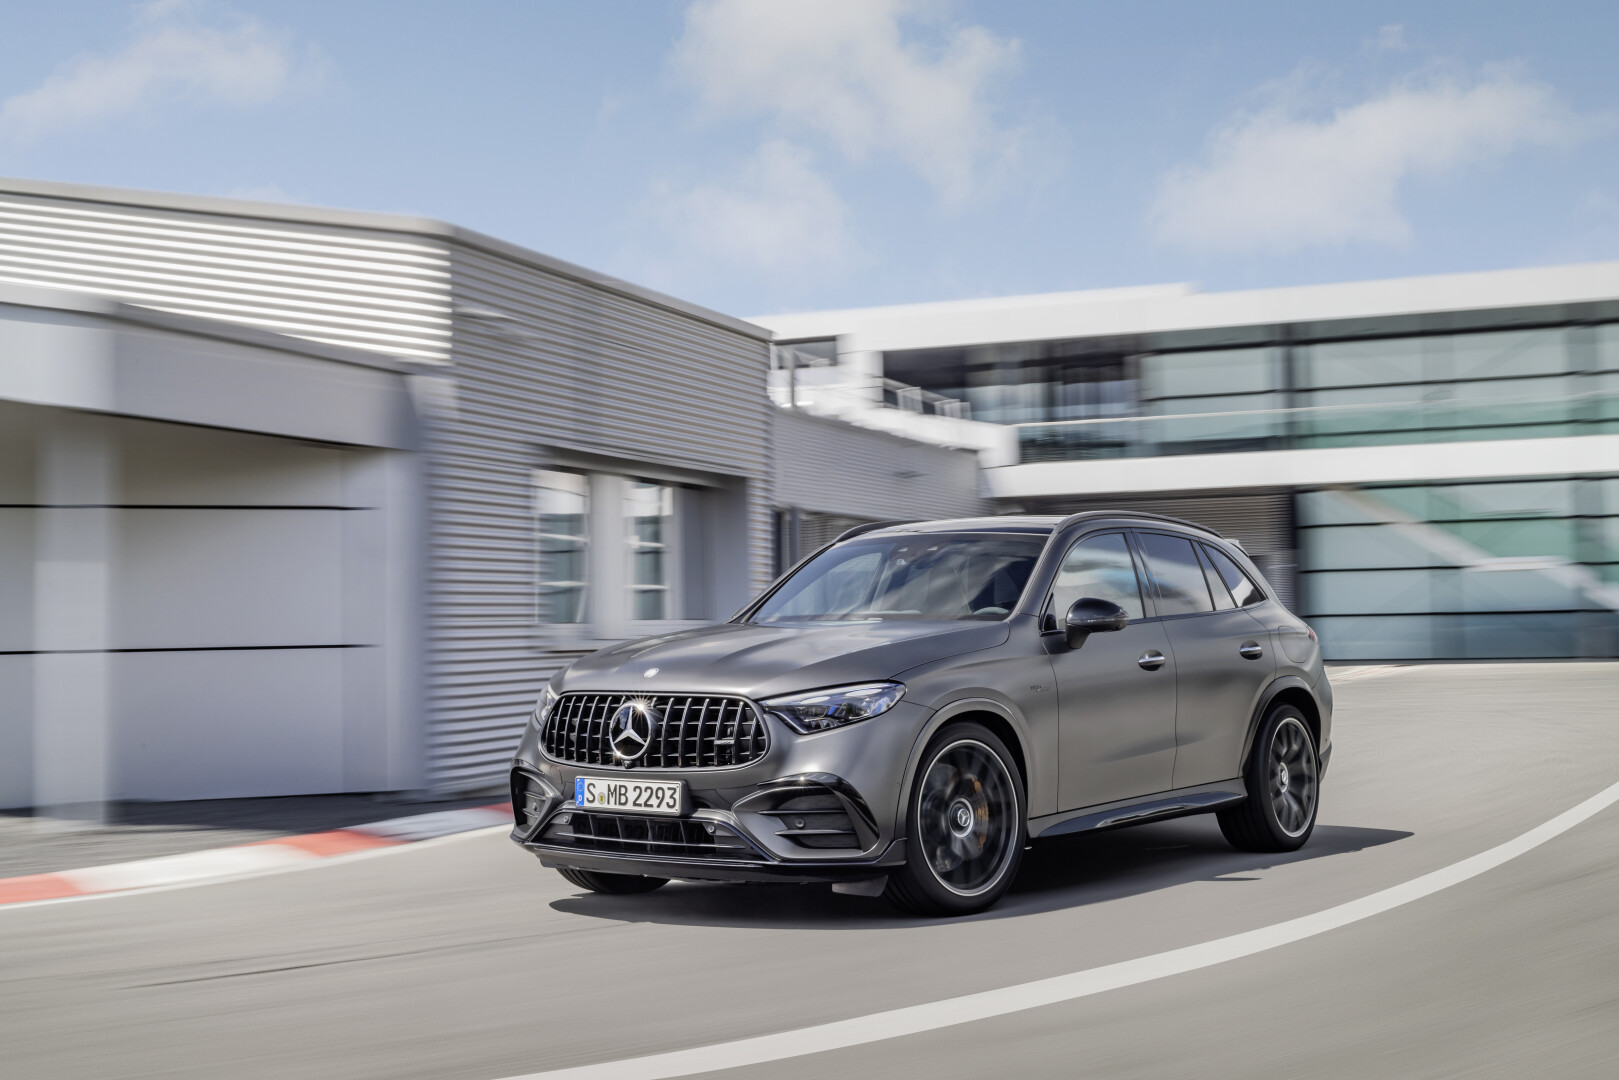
x: 1506, y: 384
x: 1463, y: 570
x: 1077, y: 400
x: 1025, y: 382
x: 1435, y: 570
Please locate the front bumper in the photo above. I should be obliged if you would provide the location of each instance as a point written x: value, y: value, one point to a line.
x: 847, y: 782
x: 713, y: 870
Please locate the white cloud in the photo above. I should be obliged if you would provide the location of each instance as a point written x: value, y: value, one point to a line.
x: 870, y: 76
x: 172, y: 57
x: 1277, y: 180
x: 1392, y: 38
x: 777, y: 215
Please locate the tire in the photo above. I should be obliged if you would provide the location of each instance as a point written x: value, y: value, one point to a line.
x: 612, y: 884
x: 965, y: 825
x: 1283, y: 777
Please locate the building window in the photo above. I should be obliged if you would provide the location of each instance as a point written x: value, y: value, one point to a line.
x: 649, y: 511
x: 561, y: 510
x: 1471, y: 570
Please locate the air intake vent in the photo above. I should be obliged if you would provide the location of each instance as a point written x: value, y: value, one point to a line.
x: 627, y: 834
x: 691, y: 732
x: 530, y: 801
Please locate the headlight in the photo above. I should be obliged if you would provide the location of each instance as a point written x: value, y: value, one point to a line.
x: 821, y: 710
x: 542, y: 709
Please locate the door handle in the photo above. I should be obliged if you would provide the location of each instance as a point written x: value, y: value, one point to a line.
x: 1250, y: 650
x: 1152, y: 660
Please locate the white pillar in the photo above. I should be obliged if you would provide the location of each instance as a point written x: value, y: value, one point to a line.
x: 607, y: 561
x: 74, y: 522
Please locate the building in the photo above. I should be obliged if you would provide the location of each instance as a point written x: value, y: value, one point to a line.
x: 298, y: 500
x: 1426, y: 468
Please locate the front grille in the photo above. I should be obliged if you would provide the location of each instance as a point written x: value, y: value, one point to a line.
x: 696, y: 731
x: 631, y: 834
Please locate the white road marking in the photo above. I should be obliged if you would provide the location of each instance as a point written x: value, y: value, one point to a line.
x: 1032, y: 995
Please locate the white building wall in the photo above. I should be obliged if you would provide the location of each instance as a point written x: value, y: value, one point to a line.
x: 831, y: 467
x: 190, y: 611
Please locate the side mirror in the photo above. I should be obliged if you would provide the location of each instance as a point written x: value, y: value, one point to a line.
x: 1088, y: 616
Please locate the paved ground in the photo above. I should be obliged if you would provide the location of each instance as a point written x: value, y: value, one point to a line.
x: 465, y: 960
x: 146, y: 830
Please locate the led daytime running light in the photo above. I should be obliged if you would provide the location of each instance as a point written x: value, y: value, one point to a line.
x: 822, y: 710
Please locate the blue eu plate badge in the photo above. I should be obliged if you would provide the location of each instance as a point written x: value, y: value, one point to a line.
x: 579, y: 791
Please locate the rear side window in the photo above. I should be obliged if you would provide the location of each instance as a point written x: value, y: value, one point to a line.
x: 1217, y: 589
x: 1182, y: 589
x: 1243, y: 589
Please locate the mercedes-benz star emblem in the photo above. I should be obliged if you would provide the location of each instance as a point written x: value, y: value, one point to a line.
x: 631, y: 730
x: 649, y: 672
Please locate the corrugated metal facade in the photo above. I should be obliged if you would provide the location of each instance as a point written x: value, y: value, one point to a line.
x: 388, y: 293
x: 545, y: 359
x: 547, y: 364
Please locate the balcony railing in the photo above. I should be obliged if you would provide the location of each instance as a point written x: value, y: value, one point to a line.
x: 835, y: 391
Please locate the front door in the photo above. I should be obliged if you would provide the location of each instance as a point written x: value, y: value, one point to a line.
x: 1116, y: 692
x: 1223, y: 657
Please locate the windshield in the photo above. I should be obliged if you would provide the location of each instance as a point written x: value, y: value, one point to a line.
x: 914, y: 576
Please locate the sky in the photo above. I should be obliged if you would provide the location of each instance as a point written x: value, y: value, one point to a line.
x: 779, y: 155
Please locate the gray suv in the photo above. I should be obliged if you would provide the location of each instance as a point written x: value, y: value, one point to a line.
x: 905, y: 710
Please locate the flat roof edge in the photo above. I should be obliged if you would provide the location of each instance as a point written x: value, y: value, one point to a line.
x: 415, y: 225
x: 506, y: 249
x: 1056, y: 317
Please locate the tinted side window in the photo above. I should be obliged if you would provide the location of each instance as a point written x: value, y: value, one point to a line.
x: 1173, y: 564
x: 1243, y: 589
x: 1217, y: 589
x: 1098, y: 566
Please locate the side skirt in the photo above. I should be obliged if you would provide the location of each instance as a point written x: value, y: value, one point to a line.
x: 1165, y: 804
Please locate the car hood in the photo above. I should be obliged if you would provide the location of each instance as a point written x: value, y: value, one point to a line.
x: 761, y: 661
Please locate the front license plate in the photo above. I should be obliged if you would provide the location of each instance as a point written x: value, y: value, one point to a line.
x: 630, y: 796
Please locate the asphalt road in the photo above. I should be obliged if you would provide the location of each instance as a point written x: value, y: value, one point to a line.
x: 463, y: 959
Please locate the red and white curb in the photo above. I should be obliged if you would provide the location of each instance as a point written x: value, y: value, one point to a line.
x: 286, y: 852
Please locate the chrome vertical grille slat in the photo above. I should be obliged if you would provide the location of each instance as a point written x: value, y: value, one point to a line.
x: 698, y: 731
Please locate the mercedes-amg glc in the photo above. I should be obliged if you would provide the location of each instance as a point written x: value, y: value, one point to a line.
x: 907, y: 709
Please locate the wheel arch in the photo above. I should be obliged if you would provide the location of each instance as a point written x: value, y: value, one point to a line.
x: 1288, y: 690
x: 1006, y: 725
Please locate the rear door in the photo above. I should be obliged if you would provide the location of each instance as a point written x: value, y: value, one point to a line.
x: 1223, y: 657
x: 1116, y: 692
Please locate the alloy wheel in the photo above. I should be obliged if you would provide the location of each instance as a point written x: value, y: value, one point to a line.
x: 967, y: 817
x: 1294, y: 777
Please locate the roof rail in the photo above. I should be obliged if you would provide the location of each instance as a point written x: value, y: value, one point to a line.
x: 1089, y: 514
x: 871, y: 526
